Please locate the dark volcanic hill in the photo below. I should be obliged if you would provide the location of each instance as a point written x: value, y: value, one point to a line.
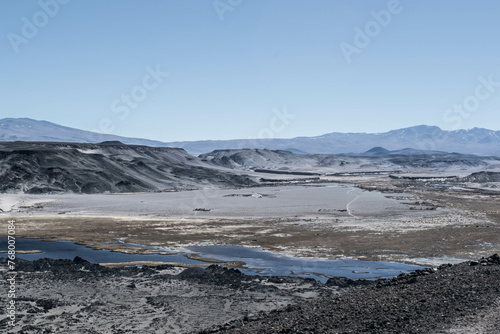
x: 35, y: 167
x: 376, y: 159
x: 482, y: 177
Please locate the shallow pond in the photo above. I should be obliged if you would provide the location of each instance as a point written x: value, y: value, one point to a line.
x: 275, y: 264
x: 258, y: 262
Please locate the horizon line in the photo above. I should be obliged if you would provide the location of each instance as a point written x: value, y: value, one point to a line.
x: 277, y: 138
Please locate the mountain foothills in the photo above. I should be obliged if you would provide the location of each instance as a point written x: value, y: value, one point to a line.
x: 375, y: 160
x: 42, y: 157
x: 422, y: 138
x: 42, y: 167
x: 114, y: 167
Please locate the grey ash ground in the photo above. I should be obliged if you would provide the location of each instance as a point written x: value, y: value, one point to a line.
x: 64, y: 296
x: 463, y: 298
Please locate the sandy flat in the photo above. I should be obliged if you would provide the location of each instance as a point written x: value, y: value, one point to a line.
x: 324, y: 220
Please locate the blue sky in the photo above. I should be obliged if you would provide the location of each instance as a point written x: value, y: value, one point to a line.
x: 233, y: 65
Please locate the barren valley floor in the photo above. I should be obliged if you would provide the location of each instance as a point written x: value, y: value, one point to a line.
x: 370, y: 219
x: 421, y: 226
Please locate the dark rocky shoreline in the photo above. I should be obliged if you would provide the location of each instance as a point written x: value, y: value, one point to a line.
x: 62, y: 295
x: 443, y: 300
x: 75, y: 296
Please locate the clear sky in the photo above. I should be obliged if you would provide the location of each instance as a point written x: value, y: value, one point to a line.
x: 233, y: 65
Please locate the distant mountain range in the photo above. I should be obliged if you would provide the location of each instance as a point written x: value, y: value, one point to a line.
x: 421, y: 138
x: 27, y: 129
